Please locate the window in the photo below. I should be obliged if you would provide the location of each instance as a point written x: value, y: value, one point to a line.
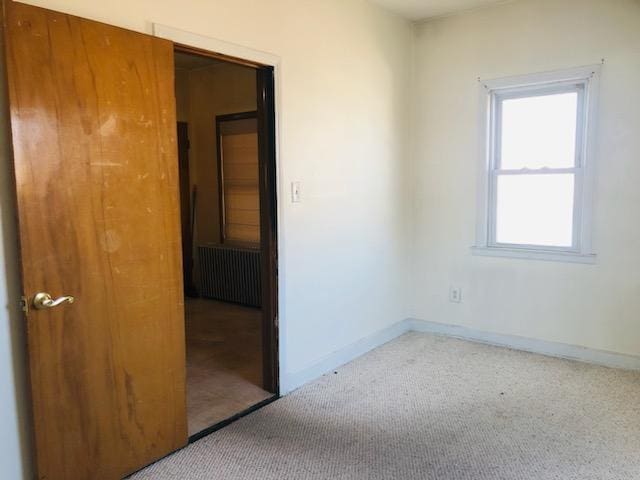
x: 536, y: 180
x: 238, y: 179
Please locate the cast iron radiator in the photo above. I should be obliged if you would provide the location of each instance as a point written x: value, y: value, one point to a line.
x: 230, y: 274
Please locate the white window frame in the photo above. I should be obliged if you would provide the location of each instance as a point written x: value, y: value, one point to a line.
x: 584, y: 81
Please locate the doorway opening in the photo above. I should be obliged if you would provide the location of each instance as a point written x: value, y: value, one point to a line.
x: 226, y: 146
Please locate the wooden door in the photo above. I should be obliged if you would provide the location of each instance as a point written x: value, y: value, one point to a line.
x: 94, y: 137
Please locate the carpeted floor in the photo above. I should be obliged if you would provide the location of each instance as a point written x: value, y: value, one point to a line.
x: 428, y: 407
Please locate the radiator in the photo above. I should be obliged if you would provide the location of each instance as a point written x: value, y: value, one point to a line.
x: 230, y: 274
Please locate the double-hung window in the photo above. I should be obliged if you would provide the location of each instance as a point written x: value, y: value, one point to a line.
x: 536, y: 180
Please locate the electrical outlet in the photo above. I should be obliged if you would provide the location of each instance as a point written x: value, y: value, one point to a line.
x: 455, y: 294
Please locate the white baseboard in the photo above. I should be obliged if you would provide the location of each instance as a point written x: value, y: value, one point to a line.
x: 543, y: 347
x: 338, y: 358
x: 344, y: 355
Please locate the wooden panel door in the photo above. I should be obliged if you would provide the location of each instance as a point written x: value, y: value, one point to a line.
x: 94, y: 137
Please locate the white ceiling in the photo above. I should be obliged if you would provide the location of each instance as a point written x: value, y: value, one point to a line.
x: 421, y: 9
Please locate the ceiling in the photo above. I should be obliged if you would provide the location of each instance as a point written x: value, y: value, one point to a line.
x: 422, y: 9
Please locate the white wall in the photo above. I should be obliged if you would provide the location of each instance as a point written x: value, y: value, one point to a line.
x: 345, y: 72
x: 344, y: 93
x: 593, y: 306
x: 217, y: 90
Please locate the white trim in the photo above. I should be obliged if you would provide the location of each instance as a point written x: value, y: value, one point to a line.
x: 239, y: 51
x: 534, y: 254
x: 329, y: 362
x: 214, y: 45
x: 293, y: 380
x: 491, y: 91
x: 589, y: 163
x: 542, y: 347
x: 555, y: 76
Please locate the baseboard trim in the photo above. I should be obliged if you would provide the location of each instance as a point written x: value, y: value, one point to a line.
x: 344, y: 355
x: 542, y: 347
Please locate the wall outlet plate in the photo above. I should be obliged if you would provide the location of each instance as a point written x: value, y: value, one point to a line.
x: 455, y: 294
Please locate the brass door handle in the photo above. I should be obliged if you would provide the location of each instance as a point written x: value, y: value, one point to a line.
x: 43, y: 300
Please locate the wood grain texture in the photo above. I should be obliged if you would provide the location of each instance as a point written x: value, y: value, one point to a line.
x: 94, y: 138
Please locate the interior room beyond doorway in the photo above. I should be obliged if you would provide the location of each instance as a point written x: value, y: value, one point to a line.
x: 220, y: 210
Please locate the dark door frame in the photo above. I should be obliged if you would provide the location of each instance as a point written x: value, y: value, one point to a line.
x: 186, y: 217
x: 268, y: 225
x: 265, y: 90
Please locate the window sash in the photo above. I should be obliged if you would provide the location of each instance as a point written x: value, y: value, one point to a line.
x: 578, y: 176
x: 496, y: 99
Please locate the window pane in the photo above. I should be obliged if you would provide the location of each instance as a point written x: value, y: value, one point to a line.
x: 539, y: 131
x: 535, y: 210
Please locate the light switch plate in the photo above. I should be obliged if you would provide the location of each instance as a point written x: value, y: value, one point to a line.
x: 455, y: 294
x: 295, y: 192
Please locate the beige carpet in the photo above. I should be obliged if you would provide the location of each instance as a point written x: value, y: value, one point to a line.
x: 427, y: 407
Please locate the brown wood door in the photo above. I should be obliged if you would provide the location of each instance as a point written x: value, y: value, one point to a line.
x: 94, y: 137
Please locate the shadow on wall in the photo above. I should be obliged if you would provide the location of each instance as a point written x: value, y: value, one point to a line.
x: 15, y: 457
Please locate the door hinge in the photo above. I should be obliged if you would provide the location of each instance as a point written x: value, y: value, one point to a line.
x: 24, y: 304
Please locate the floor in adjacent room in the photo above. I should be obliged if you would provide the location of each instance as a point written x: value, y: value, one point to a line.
x: 430, y: 407
x: 224, y: 361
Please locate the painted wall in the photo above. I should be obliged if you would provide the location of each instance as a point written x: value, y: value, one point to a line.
x: 344, y: 91
x: 182, y: 95
x: 216, y: 90
x: 203, y: 93
x: 597, y: 306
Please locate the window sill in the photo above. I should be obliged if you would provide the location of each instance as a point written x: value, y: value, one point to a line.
x: 526, y: 254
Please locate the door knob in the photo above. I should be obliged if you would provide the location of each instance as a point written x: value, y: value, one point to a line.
x: 43, y: 300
